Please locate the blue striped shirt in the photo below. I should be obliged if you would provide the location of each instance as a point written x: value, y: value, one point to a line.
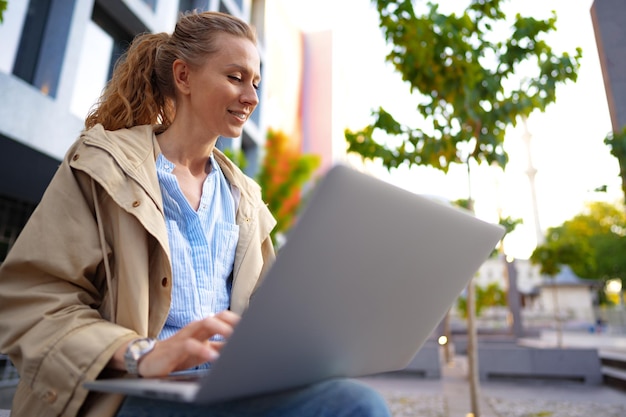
x: 202, y: 246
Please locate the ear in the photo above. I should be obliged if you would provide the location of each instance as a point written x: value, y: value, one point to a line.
x: 181, y: 72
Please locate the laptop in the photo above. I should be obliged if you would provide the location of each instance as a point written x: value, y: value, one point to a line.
x: 366, y: 274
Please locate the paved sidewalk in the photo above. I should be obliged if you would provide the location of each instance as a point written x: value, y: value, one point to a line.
x: 414, y: 396
x: 410, y: 395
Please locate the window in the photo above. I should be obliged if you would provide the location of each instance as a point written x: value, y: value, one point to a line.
x: 223, y: 8
x: 117, y: 30
x: 151, y: 3
x: 42, y: 44
x: 239, y: 4
x: 93, y: 69
x: 257, y: 19
x: 187, y: 5
x: 106, y: 38
x: 13, y: 217
x: 256, y: 114
x: 251, y: 151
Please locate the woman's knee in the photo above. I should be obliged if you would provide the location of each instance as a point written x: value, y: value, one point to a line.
x: 353, y: 398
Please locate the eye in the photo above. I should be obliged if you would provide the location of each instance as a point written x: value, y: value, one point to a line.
x: 235, y: 78
x: 255, y: 86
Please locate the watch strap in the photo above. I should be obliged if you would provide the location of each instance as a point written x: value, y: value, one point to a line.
x: 135, y: 351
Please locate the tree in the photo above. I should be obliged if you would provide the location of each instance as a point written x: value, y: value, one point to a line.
x: 472, y: 86
x: 489, y: 296
x: 283, y: 173
x: 3, y: 7
x: 474, y: 83
x: 617, y: 142
x: 592, y: 243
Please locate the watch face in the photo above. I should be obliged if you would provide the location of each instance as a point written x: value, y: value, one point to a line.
x: 135, y: 351
x: 142, y: 345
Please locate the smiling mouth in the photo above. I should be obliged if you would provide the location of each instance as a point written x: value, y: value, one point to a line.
x: 240, y: 116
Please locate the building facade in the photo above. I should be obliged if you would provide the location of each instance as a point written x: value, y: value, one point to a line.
x: 608, y: 23
x: 55, y: 58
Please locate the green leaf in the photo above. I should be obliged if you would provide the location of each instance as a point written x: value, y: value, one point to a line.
x: 617, y: 142
x: 591, y: 243
x: 3, y: 7
x: 449, y: 60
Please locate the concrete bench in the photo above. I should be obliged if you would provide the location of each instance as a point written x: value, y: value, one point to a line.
x: 460, y: 343
x: 8, y: 374
x: 571, y: 364
x: 426, y: 361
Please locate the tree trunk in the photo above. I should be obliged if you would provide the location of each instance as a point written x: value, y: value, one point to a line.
x: 444, y: 330
x: 514, y: 299
x: 559, y: 324
x: 472, y: 350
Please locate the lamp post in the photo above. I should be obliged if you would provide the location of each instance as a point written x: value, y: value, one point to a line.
x: 614, y: 286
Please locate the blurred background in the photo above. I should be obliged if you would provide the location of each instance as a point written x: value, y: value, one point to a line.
x: 548, y: 167
x: 324, y: 74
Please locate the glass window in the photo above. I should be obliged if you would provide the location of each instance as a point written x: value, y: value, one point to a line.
x: 239, y: 4
x: 251, y: 151
x: 257, y: 19
x: 13, y: 216
x: 120, y: 34
x: 105, y: 40
x: 223, y: 8
x: 93, y: 69
x: 151, y: 3
x: 42, y: 44
x: 187, y: 5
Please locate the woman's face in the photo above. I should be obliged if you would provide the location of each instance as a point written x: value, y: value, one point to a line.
x: 223, y: 91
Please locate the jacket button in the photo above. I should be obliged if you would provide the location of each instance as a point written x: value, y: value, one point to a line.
x: 164, y: 282
x: 75, y: 157
x: 50, y: 396
x: 136, y: 203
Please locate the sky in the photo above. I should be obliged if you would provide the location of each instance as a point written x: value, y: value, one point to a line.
x: 567, y: 148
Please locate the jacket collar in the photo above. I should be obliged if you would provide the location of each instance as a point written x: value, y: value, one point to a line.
x: 135, y: 151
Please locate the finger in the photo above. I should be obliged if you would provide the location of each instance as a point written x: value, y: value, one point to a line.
x: 206, y: 328
x: 214, y: 326
x: 191, y: 345
x: 169, y: 356
x: 198, y: 352
x: 216, y: 345
x: 228, y: 316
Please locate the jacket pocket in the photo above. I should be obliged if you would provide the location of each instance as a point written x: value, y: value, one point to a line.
x: 26, y: 403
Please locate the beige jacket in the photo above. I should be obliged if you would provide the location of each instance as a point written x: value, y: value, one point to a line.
x: 91, y: 269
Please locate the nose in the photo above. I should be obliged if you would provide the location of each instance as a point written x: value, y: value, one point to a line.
x: 249, y: 96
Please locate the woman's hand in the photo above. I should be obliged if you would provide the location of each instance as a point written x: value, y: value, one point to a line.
x: 187, y: 348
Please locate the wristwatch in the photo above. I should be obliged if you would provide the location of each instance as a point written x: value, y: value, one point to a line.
x: 135, y: 351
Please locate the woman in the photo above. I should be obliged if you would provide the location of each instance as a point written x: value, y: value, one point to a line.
x: 149, y: 242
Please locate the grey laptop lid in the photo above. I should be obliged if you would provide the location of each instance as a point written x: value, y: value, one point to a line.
x: 366, y: 274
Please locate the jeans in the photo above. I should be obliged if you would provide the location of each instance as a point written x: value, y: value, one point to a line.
x: 336, y: 398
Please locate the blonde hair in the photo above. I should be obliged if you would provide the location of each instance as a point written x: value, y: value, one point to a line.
x: 141, y: 90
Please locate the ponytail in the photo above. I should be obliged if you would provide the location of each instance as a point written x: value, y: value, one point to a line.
x: 132, y: 96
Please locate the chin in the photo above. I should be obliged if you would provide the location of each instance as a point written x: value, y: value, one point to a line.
x: 232, y: 133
